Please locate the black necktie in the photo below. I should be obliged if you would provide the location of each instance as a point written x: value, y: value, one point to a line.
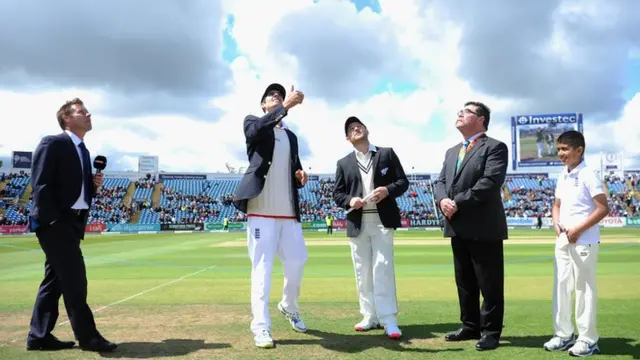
x: 86, y: 173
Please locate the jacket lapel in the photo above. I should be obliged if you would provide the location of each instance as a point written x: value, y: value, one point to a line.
x: 72, y: 147
x: 452, y: 160
x: 375, y: 159
x: 356, y: 168
x: 470, y: 153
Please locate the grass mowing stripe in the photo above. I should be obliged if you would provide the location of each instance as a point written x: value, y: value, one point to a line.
x: 141, y: 293
x: 324, y: 272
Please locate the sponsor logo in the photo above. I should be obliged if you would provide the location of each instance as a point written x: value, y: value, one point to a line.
x: 425, y: 223
x: 547, y: 119
x: 633, y: 221
x: 613, y: 222
x: 13, y: 229
x: 514, y: 221
x: 98, y: 227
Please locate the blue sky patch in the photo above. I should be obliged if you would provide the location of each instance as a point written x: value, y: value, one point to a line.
x: 633, y: 79
x: 372, y: 4
x: 229, y: 48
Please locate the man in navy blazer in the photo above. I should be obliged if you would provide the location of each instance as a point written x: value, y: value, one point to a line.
x: 63, y: 190
x: 268, y: 194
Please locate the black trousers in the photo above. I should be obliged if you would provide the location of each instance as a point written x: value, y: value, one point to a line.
x: 64, y: 275
x: 479, y: 269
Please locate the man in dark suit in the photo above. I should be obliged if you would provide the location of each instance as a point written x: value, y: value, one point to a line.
x: 367, y: 182
x: 468, y: 194
x: 268, y: 194
x: 63, y: 188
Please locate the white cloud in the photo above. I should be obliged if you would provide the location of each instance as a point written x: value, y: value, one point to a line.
x: 427, y: 37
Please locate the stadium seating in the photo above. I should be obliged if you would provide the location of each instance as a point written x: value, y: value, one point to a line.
x: 623, y: 199
x: 108, y: 206
x: 17, y: 185
x: 15, y: 215
x: 198, y: 200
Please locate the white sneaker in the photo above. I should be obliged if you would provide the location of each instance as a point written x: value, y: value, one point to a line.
x: 263, y: 339
x: 366, y: 325
x: 393, y: 331
x: 294, y: 319
x: 583, y: 348
x: 559, y: 344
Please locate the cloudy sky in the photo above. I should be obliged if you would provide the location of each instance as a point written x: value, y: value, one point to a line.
x: 176, y: 78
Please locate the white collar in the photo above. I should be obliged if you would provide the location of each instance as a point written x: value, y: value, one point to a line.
x: 474, y: 136
x: 283, y: 126
x: 372, y: 148
x: 575, y: 170
x: 76, y: 140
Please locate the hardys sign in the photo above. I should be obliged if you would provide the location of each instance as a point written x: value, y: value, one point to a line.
x: 424, y: 222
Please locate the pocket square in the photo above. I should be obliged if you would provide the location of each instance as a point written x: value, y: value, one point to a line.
x: 384, y: 171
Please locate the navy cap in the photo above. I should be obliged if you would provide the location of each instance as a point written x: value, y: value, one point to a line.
x: 277, y: 87
x: 351, y: 120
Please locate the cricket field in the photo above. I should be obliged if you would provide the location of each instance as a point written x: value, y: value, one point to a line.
x: 186, y: 296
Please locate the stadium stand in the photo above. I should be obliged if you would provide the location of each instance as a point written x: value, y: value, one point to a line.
x: 109, y: 206
x: 531, y: 195
x: 623, y: 194
x: 182, y: 201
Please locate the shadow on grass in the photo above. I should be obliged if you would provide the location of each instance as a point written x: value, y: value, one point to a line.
x: 358, y: 342
x: 608, y: 346
x: 165, y: 348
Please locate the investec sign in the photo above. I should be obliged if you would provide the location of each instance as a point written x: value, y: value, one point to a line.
x: 547, y: 119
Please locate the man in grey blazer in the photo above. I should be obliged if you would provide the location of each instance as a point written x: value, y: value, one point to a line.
x: 468, y: 194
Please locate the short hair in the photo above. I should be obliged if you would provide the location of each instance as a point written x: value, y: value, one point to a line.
x: 572, y: 138
x: 483, y: 110
x: 66, y: 110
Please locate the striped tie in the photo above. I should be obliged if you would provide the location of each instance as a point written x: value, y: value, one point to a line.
x: 461, y: 154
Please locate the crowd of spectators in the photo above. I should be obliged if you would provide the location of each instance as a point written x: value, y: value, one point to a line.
x: 323, y: 205
x: 20, y: 210
x: 146, y: 182
x: 108, y: 206
x: 13, y: 188
x: 317, y: 203
x: 179, y: 208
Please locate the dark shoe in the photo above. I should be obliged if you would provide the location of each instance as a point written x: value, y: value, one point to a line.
x: 487, y: 343
x: 48, y: 343
x: 98, y: 344
x: 462, y: 334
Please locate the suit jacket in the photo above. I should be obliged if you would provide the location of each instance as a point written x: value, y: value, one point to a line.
x: 476, y: 190
x: 56, y: 179
x: 260, y: 141
x: 387, y: 171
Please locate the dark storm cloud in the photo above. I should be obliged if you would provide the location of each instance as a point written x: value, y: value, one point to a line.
x: 167, y: 47
x: 341, y: 56
x: 504, y: 52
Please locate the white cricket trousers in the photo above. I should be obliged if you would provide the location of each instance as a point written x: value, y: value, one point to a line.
x: 575, y: 270
x: 267, y: 237
x: 540, y: 148
x: 372, y: 255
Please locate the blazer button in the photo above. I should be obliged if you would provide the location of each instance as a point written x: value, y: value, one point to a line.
x: 265, y: 176
x: 269, y: 162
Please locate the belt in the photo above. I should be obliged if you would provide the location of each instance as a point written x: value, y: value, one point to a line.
x: 79, y: 212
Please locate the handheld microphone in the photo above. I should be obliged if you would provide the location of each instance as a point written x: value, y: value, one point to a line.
x: 100, y: 162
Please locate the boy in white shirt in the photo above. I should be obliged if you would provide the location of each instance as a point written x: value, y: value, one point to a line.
x: 580, y: 204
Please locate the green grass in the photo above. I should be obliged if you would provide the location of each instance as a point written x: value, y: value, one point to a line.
x: 529, y: 150
x: 140, y: 303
